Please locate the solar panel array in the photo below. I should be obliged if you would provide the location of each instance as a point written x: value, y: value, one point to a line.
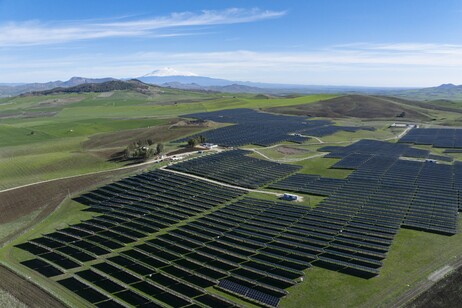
x: 437, y: 137
x: 309, y: 184
x: 374, y: 147
x: 264, y: 129
x: 132, y: 210
x: 235, y: 167
x: 162, y: 238
x: 423, y: 195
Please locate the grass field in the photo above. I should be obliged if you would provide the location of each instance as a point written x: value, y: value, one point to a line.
x: 45, y: 147
x: 403, y: 268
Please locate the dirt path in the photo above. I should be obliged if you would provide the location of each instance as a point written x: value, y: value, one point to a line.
x: 286, y: 160
x: 313, y: 137
x: 84, y: 174
x: 221, y: 183
x: 400, y: 135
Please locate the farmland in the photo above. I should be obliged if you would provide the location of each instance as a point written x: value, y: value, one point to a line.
x: 374, y: 222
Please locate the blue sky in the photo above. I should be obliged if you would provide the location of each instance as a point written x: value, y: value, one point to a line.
x: 328, y: 42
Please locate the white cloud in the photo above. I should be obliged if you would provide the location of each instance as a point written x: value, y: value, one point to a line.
x: 38, y: 33
x: 404, y: 64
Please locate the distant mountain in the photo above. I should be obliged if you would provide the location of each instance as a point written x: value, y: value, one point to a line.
x: 185, y: 80
x: 173, y: 78
x: 112, y: 85
x: 13, y: 90
x: 169, y: 77
x: 447, y: 91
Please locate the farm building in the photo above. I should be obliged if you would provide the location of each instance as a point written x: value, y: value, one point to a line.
x: 209, y: 145
x: 405, y: 125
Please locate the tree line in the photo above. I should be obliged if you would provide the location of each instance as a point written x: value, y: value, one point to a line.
x: 143, y: 149
x: 196, y: 141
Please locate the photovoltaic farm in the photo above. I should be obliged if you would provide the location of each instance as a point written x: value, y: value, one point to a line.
x: 436, y: 137
x: 235, y: 167
x: 264, y: 129
x: 202, y: 226
x: 165, y: 237
x: 132, y: 210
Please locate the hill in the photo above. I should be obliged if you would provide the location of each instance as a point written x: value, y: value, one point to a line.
x: 107, y: 86
x: 17, y: 89
x: 447, y: 91
x: 354, y: 106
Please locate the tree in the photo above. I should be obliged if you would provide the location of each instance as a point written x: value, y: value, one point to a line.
x: 195, y: 141
x: 192, y: 142
x: 159, y: 148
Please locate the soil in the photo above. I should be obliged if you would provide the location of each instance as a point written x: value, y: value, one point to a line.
x: 122, y: 139
x: 25, y: 291
x: 445, y: 293
x: 47, y: 196
x: 185, y: 150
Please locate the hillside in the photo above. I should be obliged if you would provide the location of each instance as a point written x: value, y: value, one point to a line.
x: 443, y: 92
x: 17, y: 89
x: 354, y: 106
x: 107, y: 86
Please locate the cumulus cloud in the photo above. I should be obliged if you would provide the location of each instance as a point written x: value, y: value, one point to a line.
x: 39, y: 33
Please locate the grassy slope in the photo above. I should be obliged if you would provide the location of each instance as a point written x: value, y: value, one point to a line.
x: 35, y: 149
x: 403, y: 267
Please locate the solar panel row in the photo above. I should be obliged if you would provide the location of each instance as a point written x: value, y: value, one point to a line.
x: 436, y: 137
x: 235, y: 167
x: 264, y: 129
x: 132, y: 209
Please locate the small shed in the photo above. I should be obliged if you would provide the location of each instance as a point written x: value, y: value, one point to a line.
x: 289, y: 197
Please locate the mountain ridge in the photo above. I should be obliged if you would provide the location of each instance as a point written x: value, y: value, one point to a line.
x: 167, y: 77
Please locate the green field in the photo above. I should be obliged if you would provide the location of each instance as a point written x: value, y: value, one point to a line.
x: 42, y: 147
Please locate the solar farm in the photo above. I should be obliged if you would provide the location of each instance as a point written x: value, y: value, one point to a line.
x: 212, y: 230
x: 265, y: 129
x: 235, y: 167
x: 436, y: 137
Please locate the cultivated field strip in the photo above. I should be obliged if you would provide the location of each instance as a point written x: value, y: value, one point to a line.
x: 264, y: 129
x: 236, y: 168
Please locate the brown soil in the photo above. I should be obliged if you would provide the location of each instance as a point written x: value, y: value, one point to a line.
x: 161, y: 133
x: 47, y: 196
x: 445, y: 293
x: 25, y: 291
x: 184, y: 150
x: 356, y: 106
